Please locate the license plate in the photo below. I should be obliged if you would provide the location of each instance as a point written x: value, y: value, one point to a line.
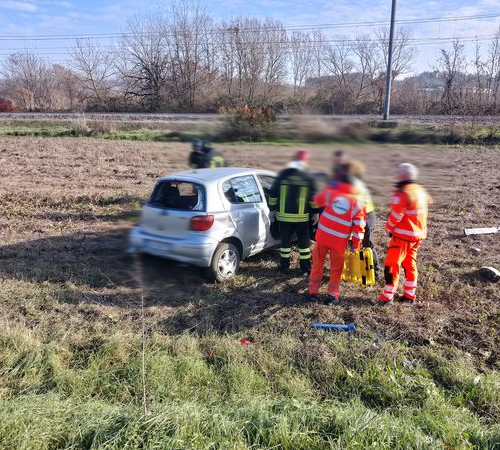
x: 159, y: 246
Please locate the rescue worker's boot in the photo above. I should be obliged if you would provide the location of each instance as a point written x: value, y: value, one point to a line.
x: 384, y: 302
x: 285, y: 266
x: 333, y: 292
x: 410, y: 287
x: 285, y: 253
x: 330, y: 300
x: 404, y: 299
x: 311, y: 298
x: 305, y: 267
x: 391, y: 285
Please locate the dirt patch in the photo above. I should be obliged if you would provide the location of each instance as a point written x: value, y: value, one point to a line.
x: 67, y: 205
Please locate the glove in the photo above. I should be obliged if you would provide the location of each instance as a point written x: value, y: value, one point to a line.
x: 388, y: 234
x: 315, y: 219
x: 352, y: 249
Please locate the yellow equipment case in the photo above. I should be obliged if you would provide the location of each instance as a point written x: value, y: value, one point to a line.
x: 358, y: 267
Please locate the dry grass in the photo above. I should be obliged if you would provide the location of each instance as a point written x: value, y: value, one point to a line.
x: 313, y: 129
x: 67, y: 205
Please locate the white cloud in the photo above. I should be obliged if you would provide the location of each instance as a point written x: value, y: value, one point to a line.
x: 18, y: 6
x: 489, y: 3
x: 44, y: 4
x: 61, y: 3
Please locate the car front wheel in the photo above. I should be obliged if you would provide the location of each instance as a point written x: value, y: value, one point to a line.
x: 225, y: 262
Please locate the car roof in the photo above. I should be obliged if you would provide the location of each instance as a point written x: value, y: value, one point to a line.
x: 213, y: 174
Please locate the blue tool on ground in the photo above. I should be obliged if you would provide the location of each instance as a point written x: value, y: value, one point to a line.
x: 334, y: 326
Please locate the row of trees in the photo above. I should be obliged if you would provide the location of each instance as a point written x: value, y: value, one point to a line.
x: 183, y: 60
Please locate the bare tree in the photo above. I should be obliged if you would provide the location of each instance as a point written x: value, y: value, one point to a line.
x: 408, y: 98
x: 452, y: 65
x: 28, y: 78
x: 250, y: 47
x: 368, y: 68
x: 181, y: 59
x: 481, y: 94
x: 318, y: 82
x: 144, y: 63
x: 226, y: 60
x: 68, y: 93
x: 340, y: 66
x: 245, y: 44
x: 319, y: 47
x: 190, y: 50
x: 97, y: 68
x: 169, y: 59
x: 402, y: 53
x: 491, y: 70
x: 301, y: 58
x: 275, y: 58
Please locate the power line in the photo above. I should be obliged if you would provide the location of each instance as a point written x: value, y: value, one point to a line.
x: 220, y: 30
x: 416, y: 42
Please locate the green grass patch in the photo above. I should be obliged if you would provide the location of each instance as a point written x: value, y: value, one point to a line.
x: 64, y: 131
x: 283, y: 133
x: 328, y: 391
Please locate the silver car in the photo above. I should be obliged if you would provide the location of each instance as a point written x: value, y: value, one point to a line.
x: 211, y: 218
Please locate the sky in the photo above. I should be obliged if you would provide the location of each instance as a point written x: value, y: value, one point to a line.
x: 26, y: 24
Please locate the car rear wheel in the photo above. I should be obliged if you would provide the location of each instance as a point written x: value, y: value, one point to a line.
x: 225, y: 262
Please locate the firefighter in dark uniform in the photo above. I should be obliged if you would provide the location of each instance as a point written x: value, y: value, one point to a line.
x: 204, y: 156
x: 290, y: 199
x: 197, y: 159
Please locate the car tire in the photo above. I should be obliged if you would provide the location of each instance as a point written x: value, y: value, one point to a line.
x: 225, y: 262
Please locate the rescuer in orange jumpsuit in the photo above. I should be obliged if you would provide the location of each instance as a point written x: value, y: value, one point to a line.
x: 343, y: 219
x: 407, y: 227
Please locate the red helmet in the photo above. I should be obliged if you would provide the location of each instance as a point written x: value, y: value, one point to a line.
x: 302, y: 155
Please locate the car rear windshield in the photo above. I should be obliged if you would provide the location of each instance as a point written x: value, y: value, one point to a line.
x: 174, y: 194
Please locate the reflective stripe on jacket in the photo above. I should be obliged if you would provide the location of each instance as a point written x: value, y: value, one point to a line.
x: 216, y: 159
x: 408, y: 217
x: 344, y: 216
x: 291, y: 196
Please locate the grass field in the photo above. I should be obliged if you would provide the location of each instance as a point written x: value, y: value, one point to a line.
x: 424, y: 130
x: 70, y: 311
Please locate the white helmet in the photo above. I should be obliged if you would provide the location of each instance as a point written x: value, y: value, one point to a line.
x: 407, y: 171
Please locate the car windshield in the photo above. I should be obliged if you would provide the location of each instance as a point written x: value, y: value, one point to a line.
x: 181, y: 195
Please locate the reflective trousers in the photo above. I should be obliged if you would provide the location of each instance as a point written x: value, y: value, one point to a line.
x: 301, y: 229
x: 400, y: 253
x: 336, y: 266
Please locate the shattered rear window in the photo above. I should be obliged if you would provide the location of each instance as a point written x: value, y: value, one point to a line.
x: 181, y: 195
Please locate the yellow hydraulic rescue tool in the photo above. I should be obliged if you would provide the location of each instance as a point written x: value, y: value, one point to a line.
x: 358, y: 267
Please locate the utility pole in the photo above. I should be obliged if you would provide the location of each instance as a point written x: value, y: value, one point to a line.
x: 388, y: 76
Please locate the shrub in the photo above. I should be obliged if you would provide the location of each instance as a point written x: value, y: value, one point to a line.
x: 251, y: 123
x: 6, y: 105
x: 103, y: 127
x: 80, y: 126
x: 83, y: 127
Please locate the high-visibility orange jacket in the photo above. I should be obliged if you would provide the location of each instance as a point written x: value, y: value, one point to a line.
x: 344, y: 215
x: 408, y: 217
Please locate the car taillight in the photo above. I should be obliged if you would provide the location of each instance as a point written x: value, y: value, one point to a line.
x: 201, y: 223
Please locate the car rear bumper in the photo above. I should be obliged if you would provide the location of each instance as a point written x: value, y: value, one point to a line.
x: 196, y: 249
